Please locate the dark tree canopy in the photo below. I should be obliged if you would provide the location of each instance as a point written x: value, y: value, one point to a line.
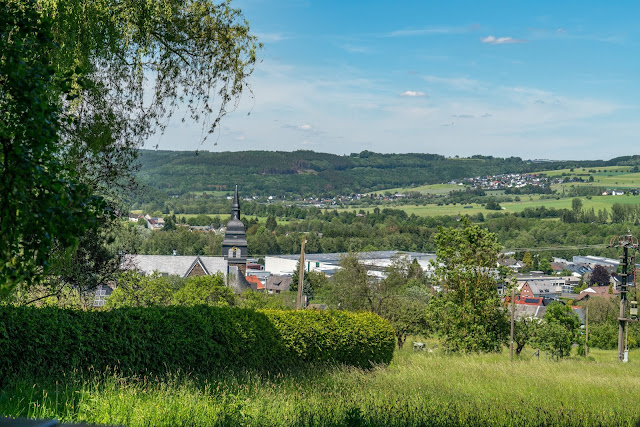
x: 599, y: 276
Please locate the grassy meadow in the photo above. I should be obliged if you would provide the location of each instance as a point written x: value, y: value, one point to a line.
x: 436, y: 189
x: 596, y: 202
x: 417, y: 388
x: 611, y: 177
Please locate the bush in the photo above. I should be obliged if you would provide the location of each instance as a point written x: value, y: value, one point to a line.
x: 201, y: 339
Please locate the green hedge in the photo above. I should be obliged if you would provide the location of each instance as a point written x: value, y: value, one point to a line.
x: 51, y: 341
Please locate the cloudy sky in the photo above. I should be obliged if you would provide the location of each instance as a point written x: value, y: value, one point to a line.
x: 538, y: 80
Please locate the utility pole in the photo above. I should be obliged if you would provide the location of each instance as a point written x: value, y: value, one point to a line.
x: 586, y: 327
x: 513, y: 302
x: 301, y: 275
x: 627, y: 242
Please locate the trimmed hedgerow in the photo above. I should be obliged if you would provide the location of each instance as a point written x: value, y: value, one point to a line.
x: 201, y: 339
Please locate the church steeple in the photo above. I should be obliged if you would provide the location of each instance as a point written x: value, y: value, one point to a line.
x: 234, y: 245
x: 235, y: 208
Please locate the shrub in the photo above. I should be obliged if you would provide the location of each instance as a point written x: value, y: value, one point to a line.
x: 199, y: 339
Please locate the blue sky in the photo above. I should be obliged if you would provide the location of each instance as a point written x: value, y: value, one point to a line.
x: 556, y: 80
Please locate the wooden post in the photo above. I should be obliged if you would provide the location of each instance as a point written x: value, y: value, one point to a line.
x: 513, y: 302
x: 301, y: 275
x: 586, y: 327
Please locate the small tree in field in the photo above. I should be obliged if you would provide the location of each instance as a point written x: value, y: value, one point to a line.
x: 468, y: 312
x: 401, y: 297
x: 558, y: 331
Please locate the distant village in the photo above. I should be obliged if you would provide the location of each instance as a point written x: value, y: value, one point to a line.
x: 569, y: 281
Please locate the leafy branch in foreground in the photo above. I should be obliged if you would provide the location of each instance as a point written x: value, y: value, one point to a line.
x: 83, y: 84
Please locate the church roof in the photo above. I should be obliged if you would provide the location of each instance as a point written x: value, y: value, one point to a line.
x: 174, y: 264
x: 235, y: 234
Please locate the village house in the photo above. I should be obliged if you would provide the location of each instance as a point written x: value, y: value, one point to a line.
x: 598, y: 291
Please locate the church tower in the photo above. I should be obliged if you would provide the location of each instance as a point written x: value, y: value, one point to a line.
x: 234, y: 245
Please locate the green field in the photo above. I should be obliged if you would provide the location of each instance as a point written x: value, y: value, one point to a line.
x: 436, y: 189
x: 585, y: 171
x: 610, y: 177
x: 596, y: 202
x: 418, y: 388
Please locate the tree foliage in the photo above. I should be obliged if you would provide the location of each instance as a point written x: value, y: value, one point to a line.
x: 83, y: 84
x: 558, y: 331
x: 209, y: 290
x: 524, y: 332
x: 599, y: 276
x: 468, y: 312
x: 136, y: 290
x: 43, y: 203
x: 400, y: 297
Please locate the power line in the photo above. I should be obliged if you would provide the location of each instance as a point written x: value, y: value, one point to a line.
x: 556, y: 248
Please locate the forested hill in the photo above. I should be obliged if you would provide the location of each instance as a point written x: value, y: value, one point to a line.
x: 321, y: 174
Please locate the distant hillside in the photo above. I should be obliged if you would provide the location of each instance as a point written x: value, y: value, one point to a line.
x: 309, y: 173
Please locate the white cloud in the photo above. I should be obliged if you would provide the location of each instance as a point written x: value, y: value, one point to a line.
x: 432, y: 31
x: 461, y: 83
x: 271, y: 37
x: 356, y: 114
x: 502, y: 40
x: 413, y: 93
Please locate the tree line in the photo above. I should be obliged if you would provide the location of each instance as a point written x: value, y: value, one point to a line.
x: 307, y: 173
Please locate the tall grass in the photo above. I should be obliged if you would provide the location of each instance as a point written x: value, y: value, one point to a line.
x: 418, y: 388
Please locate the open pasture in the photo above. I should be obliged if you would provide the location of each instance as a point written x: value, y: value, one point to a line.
x: 435, y: 189
x: 585, y: 171
x: 596, y: 202
x: 610, y: 177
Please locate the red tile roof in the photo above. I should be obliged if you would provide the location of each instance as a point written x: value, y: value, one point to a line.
x: 255, y: 281
x: 537, y: 301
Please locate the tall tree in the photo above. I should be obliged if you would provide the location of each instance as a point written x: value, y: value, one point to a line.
x: 468, y: 311
x: 271, y: 223
x: 43, y: 203
x: 84, y: 83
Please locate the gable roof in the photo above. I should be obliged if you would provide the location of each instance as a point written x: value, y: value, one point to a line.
x: 544, y: 287
x: 281, y: 283
x: 196, y: 262
x: 597, y: 291
x: 529, y: 311
x: 178, y: 265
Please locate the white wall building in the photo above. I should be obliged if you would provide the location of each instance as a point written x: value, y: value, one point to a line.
x: 329, y: 263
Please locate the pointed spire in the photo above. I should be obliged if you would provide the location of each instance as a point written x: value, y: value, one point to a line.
x: 235, y: 208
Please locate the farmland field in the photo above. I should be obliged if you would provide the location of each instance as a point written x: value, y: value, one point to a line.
x: 596, y: 202
x: 437, y: 189
x: 417, y: 388
x: 610, y: 177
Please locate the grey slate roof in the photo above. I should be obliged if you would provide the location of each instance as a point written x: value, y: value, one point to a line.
x: 280, y: 283
x: 529, y: 311
x: 544, y: 288
x: 178, y: 265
